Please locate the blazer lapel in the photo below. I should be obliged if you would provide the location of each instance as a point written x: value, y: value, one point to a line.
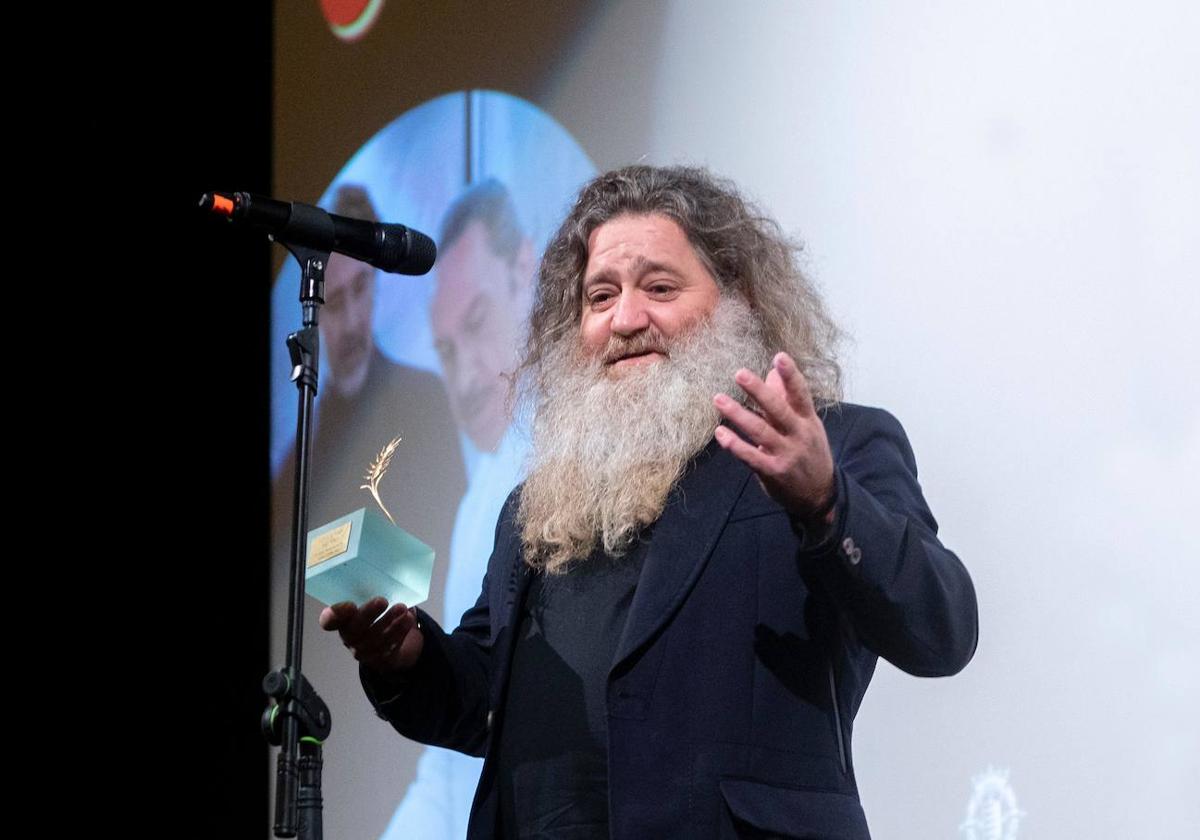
x: 505, y: 638
x: 681, y: 542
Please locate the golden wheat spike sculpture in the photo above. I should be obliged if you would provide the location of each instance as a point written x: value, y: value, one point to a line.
x: 375, y: 474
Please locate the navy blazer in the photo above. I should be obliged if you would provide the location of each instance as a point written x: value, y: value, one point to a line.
x: 746, y: 653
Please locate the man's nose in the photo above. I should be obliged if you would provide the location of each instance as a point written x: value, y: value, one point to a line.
x: 630, y: 314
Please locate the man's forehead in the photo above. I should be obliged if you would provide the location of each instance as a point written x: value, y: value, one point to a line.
x: 657, y: 224
x: 638, y: 244
x: 638, y: 265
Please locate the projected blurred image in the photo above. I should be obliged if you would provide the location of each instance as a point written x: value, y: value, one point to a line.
x: 366, y: 400
x: 428, y: 358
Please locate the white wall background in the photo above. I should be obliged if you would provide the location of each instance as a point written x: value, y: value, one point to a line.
x: 1002, y: 202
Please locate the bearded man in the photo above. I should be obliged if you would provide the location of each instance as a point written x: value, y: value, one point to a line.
x: 688, y: 594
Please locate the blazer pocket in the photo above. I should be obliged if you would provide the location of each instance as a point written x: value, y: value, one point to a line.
x: 757, y: 810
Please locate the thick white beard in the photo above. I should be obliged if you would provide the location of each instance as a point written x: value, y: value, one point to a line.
x: 609, y: 444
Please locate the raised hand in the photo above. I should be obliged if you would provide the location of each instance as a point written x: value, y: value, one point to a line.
x: 787, y: 447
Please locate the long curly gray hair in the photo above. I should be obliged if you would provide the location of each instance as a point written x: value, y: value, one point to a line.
x: 745, y: 251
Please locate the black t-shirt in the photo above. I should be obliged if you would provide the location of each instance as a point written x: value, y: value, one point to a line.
x: 553, y: 753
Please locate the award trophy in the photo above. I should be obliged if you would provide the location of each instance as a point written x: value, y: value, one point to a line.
x: 361, y: 555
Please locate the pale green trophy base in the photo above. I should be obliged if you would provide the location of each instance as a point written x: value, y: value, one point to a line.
x: 362, y: 555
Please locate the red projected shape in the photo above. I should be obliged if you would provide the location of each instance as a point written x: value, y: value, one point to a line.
x: 350, y: 19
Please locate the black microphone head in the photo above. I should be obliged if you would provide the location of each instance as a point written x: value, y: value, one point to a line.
x: 404, y: 250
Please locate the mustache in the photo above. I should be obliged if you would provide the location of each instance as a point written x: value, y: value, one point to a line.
x: 649, y: 340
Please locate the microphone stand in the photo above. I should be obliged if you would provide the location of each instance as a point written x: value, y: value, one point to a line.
x: 296, y: 718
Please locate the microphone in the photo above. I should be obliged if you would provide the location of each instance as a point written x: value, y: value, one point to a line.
x: 393, y: 248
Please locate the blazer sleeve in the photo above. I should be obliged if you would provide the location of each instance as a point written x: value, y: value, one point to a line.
x: 443, y: 700
x: 904, y: 595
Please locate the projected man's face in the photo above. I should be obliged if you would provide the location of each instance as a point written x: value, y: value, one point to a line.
x: 476, y: 327
x: 346, y: 322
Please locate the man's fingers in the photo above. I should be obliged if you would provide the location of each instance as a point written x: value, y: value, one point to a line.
x: 397, y: 629
x: 795, y: 385
x: 389, y: 628
x: 382, y: 636
x: 772, y: 400
x: 755, y: 427
x: 336, y: 616
x: 379, y: 636
x: 384, y: 646
x: 358, y: 624
x: 753, y: 457
x: 395, y: 611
